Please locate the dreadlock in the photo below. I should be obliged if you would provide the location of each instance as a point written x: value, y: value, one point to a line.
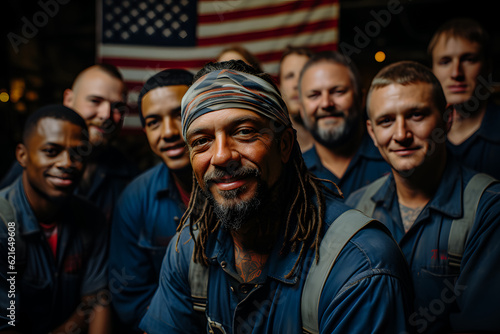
x: 305, y: 219
x: 306, y: 213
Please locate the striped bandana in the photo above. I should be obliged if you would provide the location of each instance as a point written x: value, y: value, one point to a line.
x: 224, y: 89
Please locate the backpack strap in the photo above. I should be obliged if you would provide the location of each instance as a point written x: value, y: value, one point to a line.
x: 336, y: 237
x: 198, y: 281
x: 365, y: 204
x: 460, y: 228
x: 8, y: 215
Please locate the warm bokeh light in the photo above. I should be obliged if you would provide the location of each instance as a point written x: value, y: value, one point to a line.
x: 380, y: 56
x: 4, y: 97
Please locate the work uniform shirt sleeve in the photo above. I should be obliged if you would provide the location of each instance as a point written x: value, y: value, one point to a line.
x: 171, y: 309
x: 143, y: 224
x: 476, y: 290
x: 376, y: 295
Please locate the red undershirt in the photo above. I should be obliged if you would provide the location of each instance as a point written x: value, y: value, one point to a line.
x: 50, y: 232
x: 184, y: 194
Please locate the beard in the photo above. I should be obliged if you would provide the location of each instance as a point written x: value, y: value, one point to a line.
x: 232, y: 212
x: 336, y: 135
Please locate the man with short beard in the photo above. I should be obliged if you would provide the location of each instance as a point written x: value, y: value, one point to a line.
x: 256, y: 221
x: 331, y: 108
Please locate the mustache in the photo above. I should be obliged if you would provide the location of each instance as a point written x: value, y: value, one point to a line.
x: 219, y: 174
x: 331, y: 111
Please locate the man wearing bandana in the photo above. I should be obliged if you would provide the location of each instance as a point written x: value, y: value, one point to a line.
x: 256, y: 219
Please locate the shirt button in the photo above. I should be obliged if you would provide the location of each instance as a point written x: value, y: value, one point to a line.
x: 232, y: 289
x: 244, y: 288
x: 223, y: 264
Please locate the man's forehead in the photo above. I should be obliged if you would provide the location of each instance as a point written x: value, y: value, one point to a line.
x: 49, y: 127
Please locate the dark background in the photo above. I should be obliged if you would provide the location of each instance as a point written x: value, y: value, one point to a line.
x: 65, y: 45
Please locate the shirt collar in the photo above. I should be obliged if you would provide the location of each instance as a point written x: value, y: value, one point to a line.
x: 23, y: 209
x: 366, y: 149
x: 448, y: 196
x: 220, y: 248
x: 489, y: 125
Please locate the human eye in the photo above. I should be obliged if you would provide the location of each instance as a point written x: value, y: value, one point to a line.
x: 444, y: 61
x: 471, y: 58
x: 199, y: 142
x: 152, y: 123
x: 384, y: 121
x: 50, y: 151
x: 313, y: 95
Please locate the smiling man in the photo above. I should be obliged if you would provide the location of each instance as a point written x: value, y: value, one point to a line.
x: 255, y: 224
x: 150, y: 208
x: 98, y: 94
x: 61, y: 240
x: 445, y: 217
x: 461, y: 60
x: 332, y: 110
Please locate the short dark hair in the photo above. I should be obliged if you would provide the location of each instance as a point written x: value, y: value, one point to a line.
x: 407, y: 73
x: 165, y: 78
x: 56, y: 111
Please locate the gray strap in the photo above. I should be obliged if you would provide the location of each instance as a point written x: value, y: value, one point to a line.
x: 365, y: 204
x: 460, y: 227
x: 198, y: 281
x: 336, y: 237
x: 7, y: 213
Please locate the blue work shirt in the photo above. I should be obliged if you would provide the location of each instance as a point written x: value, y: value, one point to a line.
x: 366, y: 291
x: 481, y: 151
x: 50, y: 288
x: 145, y: 219
x: 112, y: 174
x: 474, y: 306
x: 366, y: 166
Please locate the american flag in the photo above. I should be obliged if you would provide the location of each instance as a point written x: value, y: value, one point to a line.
x: 143, y: 37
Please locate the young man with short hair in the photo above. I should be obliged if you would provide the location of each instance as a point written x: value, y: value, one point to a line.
x: 461, y: 60
x: 149, y: 210
x: 448, y: 233
x: 61, y: 240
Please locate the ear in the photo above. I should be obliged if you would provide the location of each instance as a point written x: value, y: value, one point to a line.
x: 369, y: 127
x: 22, y: 155
x: 68, y: 97
x: 286, y: 144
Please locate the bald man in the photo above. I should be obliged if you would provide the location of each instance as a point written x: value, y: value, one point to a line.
x: 98, y: 94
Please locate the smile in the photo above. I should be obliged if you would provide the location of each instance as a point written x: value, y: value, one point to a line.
x: 229, y: 183
x: 62, y: 182
x: 176, y: 150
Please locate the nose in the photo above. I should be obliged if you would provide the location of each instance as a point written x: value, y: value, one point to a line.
x: 223, y: 154
x: 104, y: 110
x: 456, y: 69
x: 65, y: 160
x: 170, y: 130
x: 326, y: 100
x: 402, y: 134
